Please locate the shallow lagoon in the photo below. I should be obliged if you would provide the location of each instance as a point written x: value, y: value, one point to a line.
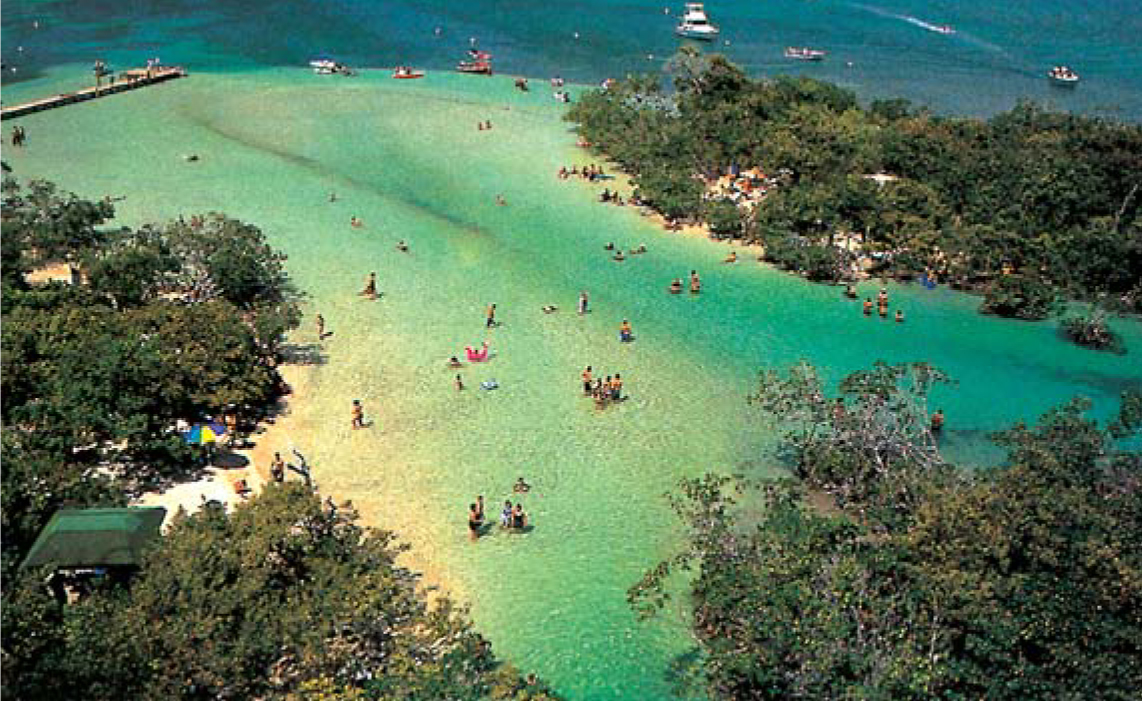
x: 406, y: 158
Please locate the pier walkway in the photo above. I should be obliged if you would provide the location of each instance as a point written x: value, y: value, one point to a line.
x: 128, y: 80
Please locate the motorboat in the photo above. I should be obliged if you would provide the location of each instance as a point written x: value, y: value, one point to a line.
x: 405, y: 73
x: 477, y: 55
x: 943, y: 29
x: 327, y: 66
x: 802, y: 53
x: 1062, y: 75
x: 695, y: 24
x: 478, y: 67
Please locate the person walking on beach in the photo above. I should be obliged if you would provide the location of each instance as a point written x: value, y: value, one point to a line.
x: 320, y: 327
x: 277, y: 468
x: 358, y: 415
x: 370, y: 290
x: 583, y: 302
x: 491, y: 316
x: 587, y: 380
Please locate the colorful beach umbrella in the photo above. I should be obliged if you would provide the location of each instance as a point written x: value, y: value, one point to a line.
x: 203, y: 434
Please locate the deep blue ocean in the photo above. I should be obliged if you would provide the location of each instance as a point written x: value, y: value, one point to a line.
x: 881, y: 48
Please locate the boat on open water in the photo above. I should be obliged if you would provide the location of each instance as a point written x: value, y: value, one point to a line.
x: 1064, y: 76
x: 803, y: 53
x: 695, y: 24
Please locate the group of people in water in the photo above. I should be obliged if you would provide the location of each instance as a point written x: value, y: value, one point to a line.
x: 19, y: 136
x: 695, y: 284
x: 590, y: 172
x: 881, y: 303
x: 484, y: 125
x: 617, y: 253
x: 512, y: 517
x: 600, y: 389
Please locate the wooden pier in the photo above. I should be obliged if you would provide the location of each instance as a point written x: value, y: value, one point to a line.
x: 127, y: 80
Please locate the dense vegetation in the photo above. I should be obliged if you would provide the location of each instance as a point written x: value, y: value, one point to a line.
x: 286, y: 598
x: 1024, y: 207
x: 919, y: 580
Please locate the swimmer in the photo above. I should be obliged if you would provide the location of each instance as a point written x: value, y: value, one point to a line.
x: 882, y: 310
x: 333, y: 197
x: 609, y: 246
x: 899, y: 315
x: 356, y: 223
x: 850, y: 292
x: 695, y: 283
x: 402, y: 246
x: 676, y: 286
x: 583, y: 302
x: 938, y: 421
x: 454, y: 362
x: 868, y: 306
x: 549, y: 308
x: 500, y: 200
x: 619, y: 256
x: 732, y: 257
x: 586, y: 375
x: 458, y: 383
x: 521, y: 487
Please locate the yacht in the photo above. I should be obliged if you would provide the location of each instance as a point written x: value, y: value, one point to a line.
x: 327, y: 66
x: 1062, y: 75
x: 695, y: 24
x: 802, y: 53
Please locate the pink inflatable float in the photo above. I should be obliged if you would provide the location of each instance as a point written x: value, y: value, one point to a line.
x: 477, y: 356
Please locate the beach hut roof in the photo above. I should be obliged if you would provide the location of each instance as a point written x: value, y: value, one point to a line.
x: 96, y: 537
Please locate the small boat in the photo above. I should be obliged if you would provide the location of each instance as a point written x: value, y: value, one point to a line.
x: 405, y: 73
x: 478, y: 55
x: 695, y: 24
x: 802, y: 53
x: 1062, y: 75
x: 478, y: 67
x: 327, y: 66
x: 943, y: 29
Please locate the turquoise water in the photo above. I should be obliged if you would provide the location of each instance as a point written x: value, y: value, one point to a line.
x: 405, y: 157
x: 997, y: 57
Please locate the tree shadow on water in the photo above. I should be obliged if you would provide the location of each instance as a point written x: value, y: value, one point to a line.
x: 302, y: 354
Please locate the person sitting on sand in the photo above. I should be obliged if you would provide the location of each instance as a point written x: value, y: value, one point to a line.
x: 521, y: 487
x: 676, y: 285
x: 732, y: 257
x: 625, y: 331
x: 370, y: 290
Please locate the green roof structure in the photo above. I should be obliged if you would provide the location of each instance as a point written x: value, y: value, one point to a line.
x: 77, y: 538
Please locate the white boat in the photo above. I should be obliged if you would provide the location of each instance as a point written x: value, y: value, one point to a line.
x: 802, y: 53
x: 695, y: 24
x: 327, y: 66
x: 1062, y: 75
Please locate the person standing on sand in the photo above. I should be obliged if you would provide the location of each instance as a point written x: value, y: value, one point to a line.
x: 320, y: 327
x: 506, y: 515
x: 277, y: 468
x: 491, y: 316
x: 358, y: 414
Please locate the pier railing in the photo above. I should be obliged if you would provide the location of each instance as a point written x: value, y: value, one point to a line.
x: 126, y: 80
